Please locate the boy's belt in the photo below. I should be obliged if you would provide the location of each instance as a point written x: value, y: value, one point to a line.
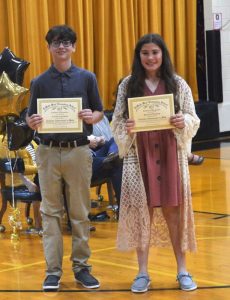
x: 65, y: 144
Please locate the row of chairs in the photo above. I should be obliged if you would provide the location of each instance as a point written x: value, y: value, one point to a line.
x: 22, y: 194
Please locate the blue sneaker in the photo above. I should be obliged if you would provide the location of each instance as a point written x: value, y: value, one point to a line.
x: 86, y: 279
x: 51, y: 283
x: 141, y: 283
x: 185, y: 281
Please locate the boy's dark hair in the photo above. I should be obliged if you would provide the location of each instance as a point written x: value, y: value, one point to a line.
x: 61, y: 32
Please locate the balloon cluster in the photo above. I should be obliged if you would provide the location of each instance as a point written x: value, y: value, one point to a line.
x: 12, y: 71
x: 12, y: 93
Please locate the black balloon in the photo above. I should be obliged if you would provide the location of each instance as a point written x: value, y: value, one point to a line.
x: 2, y: 125
x: 14, y: 67
x: 19, y: 134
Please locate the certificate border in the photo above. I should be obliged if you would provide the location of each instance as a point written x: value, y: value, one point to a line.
x: 77, y: 100
x: 131, y: 101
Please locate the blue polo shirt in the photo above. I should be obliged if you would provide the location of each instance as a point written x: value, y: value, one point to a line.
x: 75, y: 82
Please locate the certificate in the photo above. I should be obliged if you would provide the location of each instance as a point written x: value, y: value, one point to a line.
x: 59, y: 115
x: 152, y: 112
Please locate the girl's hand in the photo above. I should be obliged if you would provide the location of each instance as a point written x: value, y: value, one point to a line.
x: 178, y: 121
x: 129, y: 125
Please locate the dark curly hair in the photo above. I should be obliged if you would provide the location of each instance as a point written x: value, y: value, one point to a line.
x: 61, y: 32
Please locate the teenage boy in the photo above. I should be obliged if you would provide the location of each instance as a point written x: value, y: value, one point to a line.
x: 65, y: 157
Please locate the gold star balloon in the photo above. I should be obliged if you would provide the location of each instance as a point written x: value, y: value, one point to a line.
x: 9, y: 88
x: 11, y: 96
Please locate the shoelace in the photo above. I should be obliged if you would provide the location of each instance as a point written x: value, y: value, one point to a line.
x: 142, y: 276
x: 183, y: 275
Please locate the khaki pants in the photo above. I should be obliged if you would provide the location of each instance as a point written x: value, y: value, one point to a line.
x: 74, y: 166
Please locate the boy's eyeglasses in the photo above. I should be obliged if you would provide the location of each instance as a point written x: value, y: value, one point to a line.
x: 57, y: 44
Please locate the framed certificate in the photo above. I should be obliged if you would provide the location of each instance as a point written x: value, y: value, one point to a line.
x: 59, y: 115
x: 151, y: 112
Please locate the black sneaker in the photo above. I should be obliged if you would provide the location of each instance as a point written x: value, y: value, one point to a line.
x: 111, y: 161
x: 51, y: 283
x: 86, y: 279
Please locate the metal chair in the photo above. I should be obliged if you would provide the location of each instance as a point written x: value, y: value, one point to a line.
x: 20, y: 193
x: 98, y: 184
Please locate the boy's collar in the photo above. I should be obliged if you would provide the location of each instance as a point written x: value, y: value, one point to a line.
x: 55, y: 73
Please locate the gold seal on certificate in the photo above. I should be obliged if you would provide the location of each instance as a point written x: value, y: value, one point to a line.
x: 59, y: 115
x: 151, y: 112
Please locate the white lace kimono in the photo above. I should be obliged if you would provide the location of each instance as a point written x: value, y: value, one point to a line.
x: 134, y: 221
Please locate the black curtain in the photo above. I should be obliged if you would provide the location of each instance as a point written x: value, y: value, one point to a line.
x: 200, y: 53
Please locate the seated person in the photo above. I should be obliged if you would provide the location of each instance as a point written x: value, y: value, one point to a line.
x: 29, y: 178
x: 102, y: 133
x: 103, y: 147
x: 106, y: 162
x: 102, y: 129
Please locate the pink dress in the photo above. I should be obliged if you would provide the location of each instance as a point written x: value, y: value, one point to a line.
x: 159, y: 164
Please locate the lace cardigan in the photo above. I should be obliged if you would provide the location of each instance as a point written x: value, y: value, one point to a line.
x: 134, y: 221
